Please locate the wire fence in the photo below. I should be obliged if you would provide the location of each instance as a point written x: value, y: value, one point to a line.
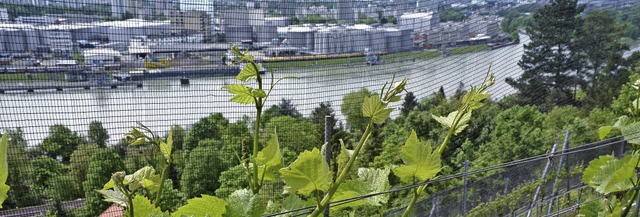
x: 75, y: 76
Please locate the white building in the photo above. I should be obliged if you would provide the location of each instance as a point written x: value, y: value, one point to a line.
x: 102, y: 57
x: 419, y: 22
x: 4, y: 16
x: 58, y: 40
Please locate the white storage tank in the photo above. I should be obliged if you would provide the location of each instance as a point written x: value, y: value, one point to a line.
x: 322, y: 38
x: 301, y: 36
x: 358, y: 37
x: 32, y: 39
x: 2, y: 50
x: 406, y: 40
x: 393, y: 39
x: 14, y: 40
x: 377, y: 40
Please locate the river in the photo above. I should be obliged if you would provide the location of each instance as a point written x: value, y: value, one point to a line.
x: 162, y: 103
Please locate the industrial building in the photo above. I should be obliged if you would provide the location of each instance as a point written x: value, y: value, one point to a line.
x: 329, y: 39
x: 447, y: 34
x: 345, y: 11
x: 16, y: 38
x: 62, y: 38
x: 185, y: 23
x: 4, y: 15
x: 122, y: 31
x: 107, y: 58
x: 419, y: 22
x: 483, y: 25
x: 140, y: 9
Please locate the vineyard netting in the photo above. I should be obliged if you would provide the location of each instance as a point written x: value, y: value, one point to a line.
x: 227, y: 100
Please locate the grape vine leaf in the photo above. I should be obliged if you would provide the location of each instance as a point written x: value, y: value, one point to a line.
x: 306, y: 174
x: 135, y: 137
x: 4, y: 168
x: 607, y: 174
x: 241, y: 93
x: 269, y: 159
x: 419, y: 161
x: 166, y: 148
x: 145, y: 177
x: 248, y: 72
x: 630, y: 133
x: 374, y: 108
x: 450, y: 119
x: 202, y: 206
x: 369, y: 181
x: 343, y: 157
x: 604, y: 131
x: 593, y: 208
x: 143, y: 207
x: 243, y: 203
x: 115, y: 196
x: 292, y: 202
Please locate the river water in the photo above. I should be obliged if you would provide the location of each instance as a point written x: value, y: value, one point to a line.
x: 162, y: 103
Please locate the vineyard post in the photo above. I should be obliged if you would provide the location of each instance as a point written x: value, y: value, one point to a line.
x: 619, y: 149
x: 464, y: 192
x: 544, y: 174
x: 327, y: 150
x: 565, y: 145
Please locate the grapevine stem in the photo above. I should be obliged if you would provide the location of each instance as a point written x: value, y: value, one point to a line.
x: 416, y: 194
x: 165, y: 174
x: 343, y: 174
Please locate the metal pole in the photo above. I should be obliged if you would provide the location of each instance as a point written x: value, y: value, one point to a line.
x: 565, y: 145
x: 544, y: 174
x: 327, y: 150
x: 464, y: 192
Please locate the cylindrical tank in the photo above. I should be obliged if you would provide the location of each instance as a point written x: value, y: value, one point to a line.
x: 407, y: 43
x: 376, y: 40
x: 321, y: 38
x: 2, y: 37
x: 14, y: 40
x: 32, y: 39
x: 393, y: 38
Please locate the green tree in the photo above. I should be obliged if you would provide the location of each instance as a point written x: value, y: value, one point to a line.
x: 409, y: 103
x: 549, y: 60
x: 202, y: 170
x: 21, y: 193
x: 103, y: 163
x: 210, y: 127
x: 393, y: 20
x: 231, y: 180
x: 518, y: 133
x: 352, y: 108
x: 97, y: 134
x: 599, y: 42
x: 627, y: 94
x: 79, y: 163
x: 570, y: 119
x: 45, y: 168
x: 60, y: 142
x: 295, y: 135
x: 63, y: 188
x: 284, y: 108
x: 179, y: 135
x: 451, y: 14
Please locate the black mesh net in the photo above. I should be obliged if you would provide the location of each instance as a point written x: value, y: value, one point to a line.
x: 75, y: 76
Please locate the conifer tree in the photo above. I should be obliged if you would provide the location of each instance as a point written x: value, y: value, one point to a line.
x: 551, y: 68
